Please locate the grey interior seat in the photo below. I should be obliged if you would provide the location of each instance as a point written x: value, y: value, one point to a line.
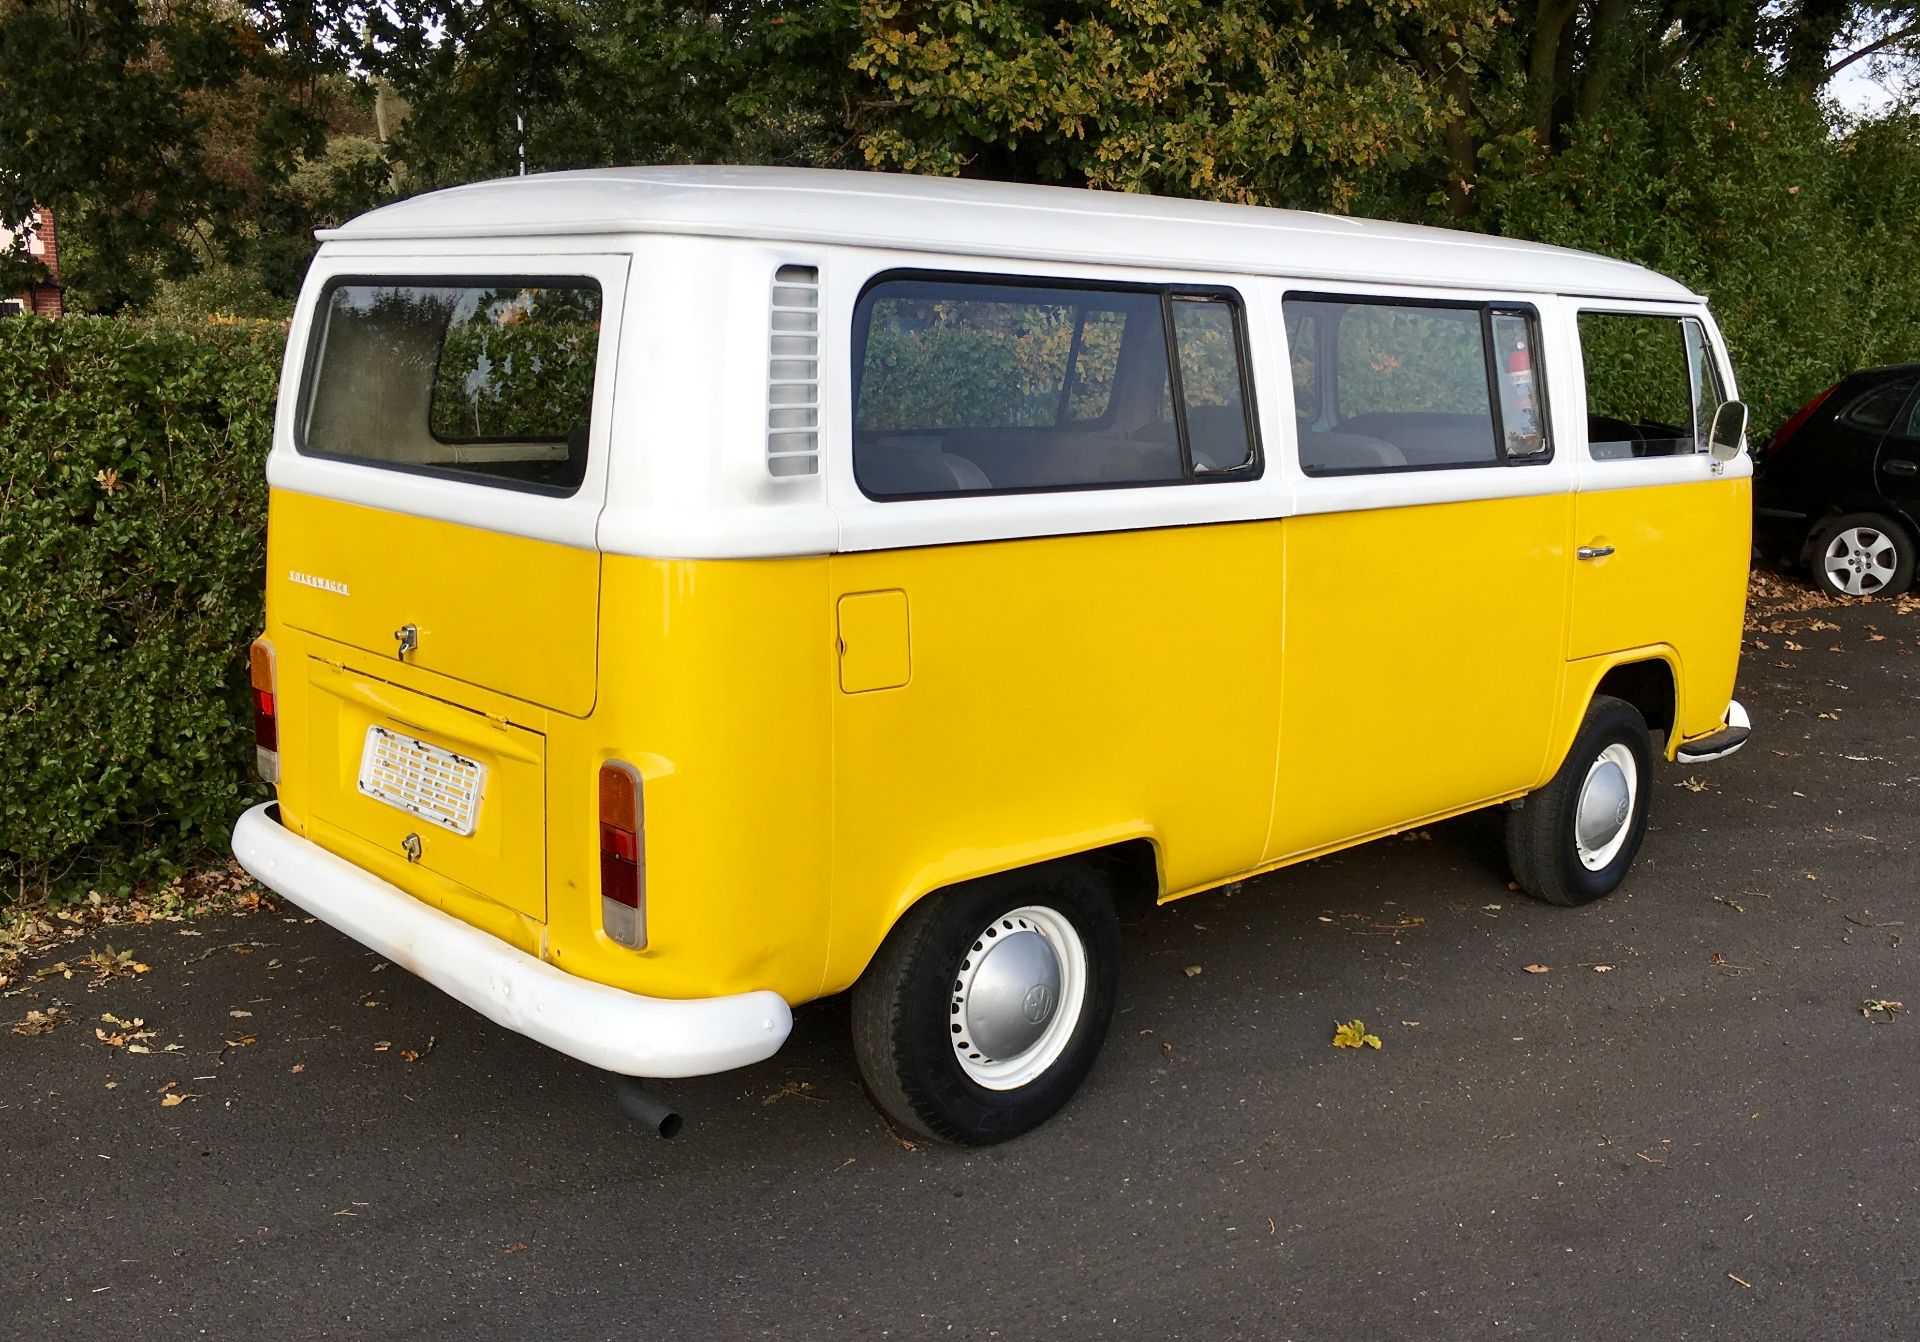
x: 888, y: 468
x: 1346, y: 452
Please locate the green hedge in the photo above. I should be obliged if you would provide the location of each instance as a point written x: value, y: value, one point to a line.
x: 132, y: 541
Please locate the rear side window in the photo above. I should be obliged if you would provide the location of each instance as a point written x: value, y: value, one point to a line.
x: 1874, y: 412
x: 967, y: 386
x: 1391, y: 386
x: 1652, y: 389
x: 486, y: 382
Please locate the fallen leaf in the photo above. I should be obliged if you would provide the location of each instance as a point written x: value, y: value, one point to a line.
x: 171, y: 1098
x: 1191, y: 971
x: 410, y: 1055
x: 1537, y: 969
x: 239, y: 1041
x: 1603, y: 969
x: 239, y: 1015
x: 1881, y: 1006
x: 1353, y: 1034
x: 298, y: 1068
x: 40, y: 1022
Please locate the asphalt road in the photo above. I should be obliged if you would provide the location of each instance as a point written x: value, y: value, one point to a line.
x: 1686, y: 1128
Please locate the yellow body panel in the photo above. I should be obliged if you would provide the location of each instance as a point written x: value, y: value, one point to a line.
x: 1067, y: 692
x: 823, y: 740
x: 505, y: 856
x: 502, y: 612
x: 1677, y: 576
x: 1423, y: 663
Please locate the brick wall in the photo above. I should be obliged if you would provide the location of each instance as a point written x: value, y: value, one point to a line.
x: 46, y: 300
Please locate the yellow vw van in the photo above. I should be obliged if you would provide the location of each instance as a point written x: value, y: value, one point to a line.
x: 695, y: 591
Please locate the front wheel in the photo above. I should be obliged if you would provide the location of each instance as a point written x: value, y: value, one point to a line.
x: 983, y: 1011
x: 1863, y: 554
x: 1573, y: 840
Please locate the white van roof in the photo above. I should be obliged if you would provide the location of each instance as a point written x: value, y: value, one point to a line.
x: 964, y: 217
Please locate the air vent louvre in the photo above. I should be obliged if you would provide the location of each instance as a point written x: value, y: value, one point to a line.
x: 793, y: 373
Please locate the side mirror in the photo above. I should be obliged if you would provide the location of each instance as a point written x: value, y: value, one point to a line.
x: 1729, y: 433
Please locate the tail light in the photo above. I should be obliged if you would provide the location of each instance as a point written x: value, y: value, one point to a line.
x: 266, y: 721
x: 623, y: 856
x: 1799, y: 421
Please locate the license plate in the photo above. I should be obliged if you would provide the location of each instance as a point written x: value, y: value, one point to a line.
x: 440, y: 787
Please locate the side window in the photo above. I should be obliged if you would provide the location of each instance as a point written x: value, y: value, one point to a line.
x: 1096, y: 357
x: 1520, y: 417
x: 1708, y: 396
x: 1874, y: 411
x: 1412, y: 386
x: 967, y: 386
x: 1303, y: 352
x: 1208, y: 342
x: 1640, y: 386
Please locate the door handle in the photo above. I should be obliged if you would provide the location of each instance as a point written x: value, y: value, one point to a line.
x: 1594, y: 551
x: 1900, y: 466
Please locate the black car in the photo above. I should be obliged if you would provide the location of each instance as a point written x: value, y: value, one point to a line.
x: 1838, y: 489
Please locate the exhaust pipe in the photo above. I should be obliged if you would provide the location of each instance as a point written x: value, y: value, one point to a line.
x: 656, y: 1114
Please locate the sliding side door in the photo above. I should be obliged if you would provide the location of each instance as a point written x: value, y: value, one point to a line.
x: 1426, y: 565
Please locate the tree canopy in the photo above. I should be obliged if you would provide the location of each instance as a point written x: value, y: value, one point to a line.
x: 191, y: 146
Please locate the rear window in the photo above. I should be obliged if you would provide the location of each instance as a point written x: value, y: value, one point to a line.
x: 487, y: 382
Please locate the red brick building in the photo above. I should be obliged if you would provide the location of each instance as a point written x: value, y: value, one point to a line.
x: 45, y: 299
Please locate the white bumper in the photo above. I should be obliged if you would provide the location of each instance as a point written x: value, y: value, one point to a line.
x: 1735, y: 730
x: 602, y: 1026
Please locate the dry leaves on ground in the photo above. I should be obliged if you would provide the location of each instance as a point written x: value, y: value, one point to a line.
x: 40, y: 1022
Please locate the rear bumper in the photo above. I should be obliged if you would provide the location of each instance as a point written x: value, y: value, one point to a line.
x: 602, y: 1026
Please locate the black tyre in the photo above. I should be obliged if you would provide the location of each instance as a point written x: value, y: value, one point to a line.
x: 1863, y: 554
x: 984, y: 1009
x: 1573, y: 840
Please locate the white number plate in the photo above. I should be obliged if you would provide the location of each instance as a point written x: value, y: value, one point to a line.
x: 437, y: 785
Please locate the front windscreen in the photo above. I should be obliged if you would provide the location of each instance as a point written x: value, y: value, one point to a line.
x: 490, y: 382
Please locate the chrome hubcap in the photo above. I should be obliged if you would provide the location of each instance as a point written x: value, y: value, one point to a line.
x: 1860, y: 561
x: 1013, y: 994
x: 1017, y: 996
x: 1605, y: 810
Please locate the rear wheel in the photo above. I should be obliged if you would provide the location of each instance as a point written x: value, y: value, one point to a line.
x: 1863, y: 554
x: 983, y: 1011
x: 1573, y: 840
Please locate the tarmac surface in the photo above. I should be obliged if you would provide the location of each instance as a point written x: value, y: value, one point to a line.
x: 1685, y: 1128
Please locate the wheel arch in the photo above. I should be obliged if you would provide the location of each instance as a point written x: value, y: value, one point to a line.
x: 1649, y: 678
x: 1130, y: 860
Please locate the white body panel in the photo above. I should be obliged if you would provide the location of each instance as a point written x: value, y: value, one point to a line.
x: 686, y: 258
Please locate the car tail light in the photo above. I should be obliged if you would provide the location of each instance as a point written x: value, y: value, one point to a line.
x: 1798, y: 421
x: 623, y: 855
x: 266, y: 719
